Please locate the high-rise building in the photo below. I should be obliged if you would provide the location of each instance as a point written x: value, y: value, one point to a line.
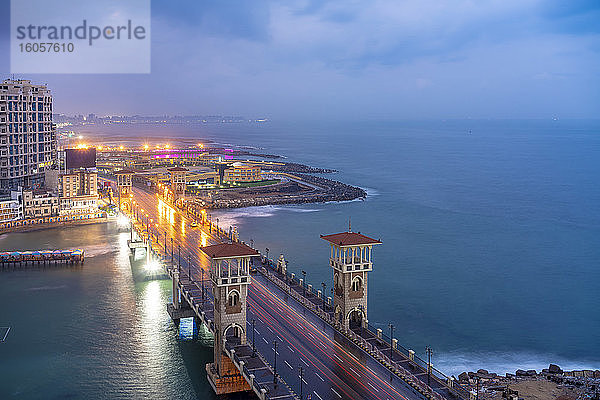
x: 28, y: 141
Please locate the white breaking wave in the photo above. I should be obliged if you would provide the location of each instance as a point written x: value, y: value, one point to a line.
x: 235, y: 216
x: 34, y: 289
x: 371, y: 191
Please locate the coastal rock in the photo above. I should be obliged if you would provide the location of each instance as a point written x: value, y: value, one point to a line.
x: 554, y: 369
x: 483, y: 372
x: 531, y: 372
x: 464, y: 377
x: 520, y: 372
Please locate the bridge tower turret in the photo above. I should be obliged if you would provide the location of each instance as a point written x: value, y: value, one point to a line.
x: 351, y: 261
x: 124, y: 191
x: 178, y: 182
x: 230, y: 277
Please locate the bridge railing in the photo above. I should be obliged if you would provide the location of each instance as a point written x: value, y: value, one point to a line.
x: 418, y: 361
x: 384, y: 339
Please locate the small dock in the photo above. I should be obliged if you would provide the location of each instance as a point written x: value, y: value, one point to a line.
x: 41, y: 257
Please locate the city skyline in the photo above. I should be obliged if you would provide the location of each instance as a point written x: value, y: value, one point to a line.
x: 388, y: 60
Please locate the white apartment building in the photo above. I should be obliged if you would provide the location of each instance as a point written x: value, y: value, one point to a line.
x: 11, y: 207
x: 39, y: 204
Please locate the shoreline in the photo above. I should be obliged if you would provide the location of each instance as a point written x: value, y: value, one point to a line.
x: 297, y: 191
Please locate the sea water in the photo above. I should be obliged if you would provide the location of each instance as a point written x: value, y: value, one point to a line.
x: 490, y: 230
x: 490, y: 255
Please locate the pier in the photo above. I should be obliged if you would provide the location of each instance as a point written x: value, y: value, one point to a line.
x: 42, y: 257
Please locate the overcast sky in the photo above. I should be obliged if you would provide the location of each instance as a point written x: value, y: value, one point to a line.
x: 353, y: 59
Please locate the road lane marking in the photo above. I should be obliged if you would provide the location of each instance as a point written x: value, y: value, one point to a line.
x: 369, y: 383
x: 288, y: 364
x: 336, y: 356
x: 338, y: 395
x: 292, y: 350
x: 304, y: 362
x: 355, y: 373
x: 266, y: 341
x: 317, y: 394
x: 320, y: 377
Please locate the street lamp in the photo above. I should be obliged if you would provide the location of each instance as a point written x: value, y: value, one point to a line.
x: 253, y: 343
x: 190, y: 266
x: 202, y: 272
x: 301, y: 378
x: 391, y: 341
x: 171, y: 252
x: 429, y: 351
x: 275, y: 363
x: 179, y: 258
x: 304, y: 283
x: 323, y: 293
x: 267, y: 251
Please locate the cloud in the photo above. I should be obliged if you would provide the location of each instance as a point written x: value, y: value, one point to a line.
x: 358, y: 58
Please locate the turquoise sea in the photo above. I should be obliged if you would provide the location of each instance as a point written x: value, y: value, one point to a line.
x: 490, y: 230
x: 490, y: 255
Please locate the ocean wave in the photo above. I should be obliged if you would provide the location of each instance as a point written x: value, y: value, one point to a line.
x: 98, y: 250
x: 35, y: 289
x: 454, y: 363
x: 235, y: 216
x: 371, y: 191
x: 301, y: 210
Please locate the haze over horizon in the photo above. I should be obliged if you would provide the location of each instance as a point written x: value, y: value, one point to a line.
x: 338, y: 59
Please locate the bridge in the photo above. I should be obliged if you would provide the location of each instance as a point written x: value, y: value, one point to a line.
x: 274, y: 333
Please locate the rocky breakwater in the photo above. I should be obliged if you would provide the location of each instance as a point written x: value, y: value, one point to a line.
x: 550, y: 383
x: 308, y: 189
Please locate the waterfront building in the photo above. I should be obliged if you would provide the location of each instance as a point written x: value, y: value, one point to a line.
x: 28, y: 141
x: 78, y: 192
x: 240, y: 172
x: 11, y: 207
x: 40, y: 203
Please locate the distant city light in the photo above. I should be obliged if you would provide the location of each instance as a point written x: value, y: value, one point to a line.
x: 121, y: 148
x: 146, y: 147
x: 80, y: 137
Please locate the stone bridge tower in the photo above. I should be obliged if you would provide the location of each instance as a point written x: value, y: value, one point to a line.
x: 178, y: 182
x: 124, y: 191
x: 351, y: 261
x: 230, y: 276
